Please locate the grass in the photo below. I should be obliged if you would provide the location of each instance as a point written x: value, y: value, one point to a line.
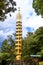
x: 40, y: 63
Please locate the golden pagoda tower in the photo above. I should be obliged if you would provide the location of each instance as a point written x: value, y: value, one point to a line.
x: 18, y: 45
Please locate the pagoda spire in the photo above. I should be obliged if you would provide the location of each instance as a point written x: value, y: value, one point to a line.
x: 18, y: 15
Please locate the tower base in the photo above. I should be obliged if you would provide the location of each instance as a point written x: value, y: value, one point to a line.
x: 18, y: 62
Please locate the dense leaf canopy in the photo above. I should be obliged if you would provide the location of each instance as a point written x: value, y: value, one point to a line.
x: 6, y: 6
x: 38, y: 6
x: 8, y: 49
x: 33, y: 44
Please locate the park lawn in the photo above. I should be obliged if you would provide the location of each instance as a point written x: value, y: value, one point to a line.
x: 40, y: 63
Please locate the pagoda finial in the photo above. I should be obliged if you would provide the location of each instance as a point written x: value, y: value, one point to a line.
x: 18, y: 8
x: 18, y: 14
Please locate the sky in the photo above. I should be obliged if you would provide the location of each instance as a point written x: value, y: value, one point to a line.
x: 30, y: 20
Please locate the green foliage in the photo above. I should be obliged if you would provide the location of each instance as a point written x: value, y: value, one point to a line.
x: 40, y: 53
x: 39, y: 37
x: 5, y: 56
x: 6, y: 6
x: 27, y: 58
x: 8, y: 49
x: 33, y: 44
x: 12, y: 42
x: 1, y: 56
x: 39, y: 31
x: 38, y: 6
x: 5, y: 46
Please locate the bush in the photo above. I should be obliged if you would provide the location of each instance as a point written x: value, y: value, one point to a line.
x: 28, y: 61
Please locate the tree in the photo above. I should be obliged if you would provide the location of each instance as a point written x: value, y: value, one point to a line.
x: 11, y: 41
x: 6, y: 6
x: 5, y: 50
x: 26, y: 45
x: 8, y: 49
x: 39, y: 34
x: 33, y: 44
x: 12, y: 47
x: 38, y: 6
x: 5, y: 46
x: 37, y: 44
